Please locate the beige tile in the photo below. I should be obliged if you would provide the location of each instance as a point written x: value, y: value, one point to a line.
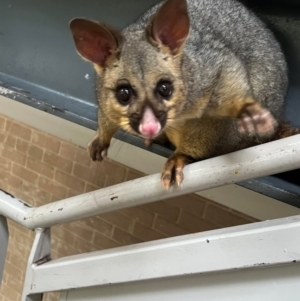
x: 195, y: 224
x: 24, y: 174
x: 10, y: 180
x: 81, y: 230
x: 132, y: 175
x: 219, y: 216
x: 68, y: 151
x: 41, y: 168
x: 52, y: 187
x: 9, y: 293
x: 5, y: 164
x: 35, y: 152
x: 169, y: 228
x: 145, y: 217
x: 190, y: 203
x: 115, y: 218
x: 10, y: 141
x: 69, y: 181
x: 99, y: 225
x: 94, y: 177
x: 101, y: 242
x: 63, y: 234
x: 164, y: 209
x: 2, y: 123
x: 58, y: 161
x: 21, y: 131
x: 124, y: 238
x: 145, y: 233
x: 14, y: 156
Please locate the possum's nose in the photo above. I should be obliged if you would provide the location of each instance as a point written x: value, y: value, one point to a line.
x: 150, y: 130
x: 149, y: 126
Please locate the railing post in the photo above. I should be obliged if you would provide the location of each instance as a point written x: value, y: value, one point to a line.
x: 40, y: 253
x: 3, y: 244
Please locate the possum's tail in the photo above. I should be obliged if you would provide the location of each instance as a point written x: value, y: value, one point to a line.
x: 285, y: 130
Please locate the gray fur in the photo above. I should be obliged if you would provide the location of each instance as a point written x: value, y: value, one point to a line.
x: 229, y: 71
x: 226, y: 28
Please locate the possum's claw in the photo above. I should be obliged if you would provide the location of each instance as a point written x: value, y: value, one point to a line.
x: 173, y: 170
x: 96, y: 150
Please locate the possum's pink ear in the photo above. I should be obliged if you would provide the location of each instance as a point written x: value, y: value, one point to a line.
x: 171, y: 25
x: 94, y: 42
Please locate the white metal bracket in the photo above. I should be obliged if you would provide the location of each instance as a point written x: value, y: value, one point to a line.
x: 263, y: 244
x: 40, y: 253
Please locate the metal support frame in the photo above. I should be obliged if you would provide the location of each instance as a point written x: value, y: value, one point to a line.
x: 135, y: 263
x: 263, y: 244
x: 40, y: 253
x: 258, y: 161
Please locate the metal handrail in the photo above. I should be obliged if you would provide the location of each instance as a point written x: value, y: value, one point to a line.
x: 270, y: 158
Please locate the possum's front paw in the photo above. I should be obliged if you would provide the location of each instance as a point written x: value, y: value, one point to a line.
x: 255, y: 120
x: 173, y: 170
x: 96, y: 150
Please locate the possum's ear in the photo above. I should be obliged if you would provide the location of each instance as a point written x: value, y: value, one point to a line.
x: 171, y: 25
x: 94, y: 42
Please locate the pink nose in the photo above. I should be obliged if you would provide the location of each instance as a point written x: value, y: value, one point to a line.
x: 149, y: 129
x: 149, y: 126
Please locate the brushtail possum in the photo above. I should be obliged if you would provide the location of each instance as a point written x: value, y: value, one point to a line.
x: 207, y: 74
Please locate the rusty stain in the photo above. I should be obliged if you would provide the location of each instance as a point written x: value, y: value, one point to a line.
x: 236, y: 172
x: 44, y: 259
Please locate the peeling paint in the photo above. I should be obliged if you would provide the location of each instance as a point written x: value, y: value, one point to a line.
x: 259, y: 264
x: 7, y: 193
x: 53, y: 108
x: 5, y: 91
x: 17, y: 93
x: 25, y: 204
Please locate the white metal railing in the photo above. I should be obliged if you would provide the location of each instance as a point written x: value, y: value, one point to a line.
x: 258, y: 161
x: 270, y: 158
x: 173, y: 257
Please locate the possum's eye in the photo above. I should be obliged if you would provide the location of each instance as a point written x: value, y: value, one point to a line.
x: 164, y: 89
x: 124, y: 94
